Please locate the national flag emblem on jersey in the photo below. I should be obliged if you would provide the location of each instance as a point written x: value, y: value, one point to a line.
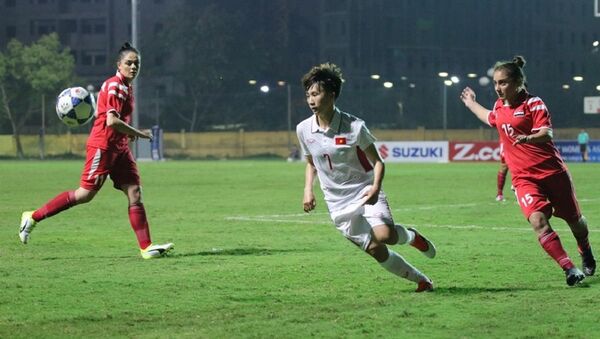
x: 340, y: 140
x: 519, y: 114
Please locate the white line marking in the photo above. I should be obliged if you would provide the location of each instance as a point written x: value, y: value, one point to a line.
x: 316, y: 218
x: 457, y: 227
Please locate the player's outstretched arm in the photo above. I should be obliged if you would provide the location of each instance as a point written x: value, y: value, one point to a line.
x: 114, y: 122
x: 468, y: 97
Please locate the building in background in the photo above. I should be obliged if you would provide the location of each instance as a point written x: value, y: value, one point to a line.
x: 391, y: 51
x: 408, y: 43
x: 94, y: 30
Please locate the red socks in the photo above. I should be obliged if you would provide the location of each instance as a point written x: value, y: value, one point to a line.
x: 139, y: 223
x: 61, y: 202
x: 501, y: 181
x: 66, y: 200
x: 551, y: 244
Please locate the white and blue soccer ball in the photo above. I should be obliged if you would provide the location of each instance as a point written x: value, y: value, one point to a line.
x: 75, y: 106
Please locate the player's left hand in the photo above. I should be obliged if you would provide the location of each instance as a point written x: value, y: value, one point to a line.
x: 521, y: 139
x: 371, y: 196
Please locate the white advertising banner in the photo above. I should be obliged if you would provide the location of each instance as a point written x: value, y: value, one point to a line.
x: 591, y: 105
x: 413, y: 151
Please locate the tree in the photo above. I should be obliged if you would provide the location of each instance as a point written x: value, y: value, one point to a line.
x: 26, y: 74
x: 214, y: 47
x: 202, y: 40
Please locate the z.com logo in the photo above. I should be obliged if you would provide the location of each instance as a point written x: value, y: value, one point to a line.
x: 475, y: 152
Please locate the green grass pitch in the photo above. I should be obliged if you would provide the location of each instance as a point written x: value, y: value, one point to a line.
x: 249, y: 263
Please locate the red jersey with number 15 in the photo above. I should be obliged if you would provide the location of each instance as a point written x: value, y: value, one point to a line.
x: 528, y: 116
x: 115, y: 96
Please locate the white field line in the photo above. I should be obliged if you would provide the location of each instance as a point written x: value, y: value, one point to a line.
x: 296, y: 218
x: 457, y: 227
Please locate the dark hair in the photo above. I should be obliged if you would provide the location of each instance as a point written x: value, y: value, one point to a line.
x: 327, y: 75
x: 126, y: 48
x: 513, y: 69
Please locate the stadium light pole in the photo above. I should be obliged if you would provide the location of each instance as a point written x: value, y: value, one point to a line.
x: 289, y: 115
x: 43, y: 129
x: 445, y: 108
x: 445, y: 84
x: 136, y: 91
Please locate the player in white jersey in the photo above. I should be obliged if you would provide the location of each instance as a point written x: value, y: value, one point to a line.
x: 340, y: 149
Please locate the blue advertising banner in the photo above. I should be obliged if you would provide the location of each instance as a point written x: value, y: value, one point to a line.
x: 569, y: 150
x: 156, y: 146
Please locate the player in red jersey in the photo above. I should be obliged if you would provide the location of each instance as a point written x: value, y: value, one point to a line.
x: 108, y: 153
x: 541, y: 180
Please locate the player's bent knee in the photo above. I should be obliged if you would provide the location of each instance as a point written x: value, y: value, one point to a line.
x: 378, y: 251
x: 385, y: 234
x: 83, y: 196
x: 539, y: 222
x: 134, y: 193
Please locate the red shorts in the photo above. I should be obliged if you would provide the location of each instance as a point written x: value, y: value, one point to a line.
x: 553, y: 195
x: 100, y: 163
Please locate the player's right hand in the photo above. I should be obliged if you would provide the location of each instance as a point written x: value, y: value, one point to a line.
x: 147, y: 134
x: 468, y: 96
x: 309, y: 202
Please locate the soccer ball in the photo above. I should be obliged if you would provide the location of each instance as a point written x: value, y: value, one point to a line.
x: 75, y: 106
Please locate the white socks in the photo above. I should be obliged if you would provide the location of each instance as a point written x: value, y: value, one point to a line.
x: 400, y: 267
x: 404, y: 236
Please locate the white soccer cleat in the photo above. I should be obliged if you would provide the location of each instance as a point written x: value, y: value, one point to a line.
x: 157, y: 251
x: 500, y: 198
x: 26, y: 227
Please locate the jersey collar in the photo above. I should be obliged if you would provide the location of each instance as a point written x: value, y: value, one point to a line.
x: 333, y: 126
x: 122, y: 78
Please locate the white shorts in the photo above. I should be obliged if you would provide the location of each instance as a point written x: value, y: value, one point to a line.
x: 356, y: 220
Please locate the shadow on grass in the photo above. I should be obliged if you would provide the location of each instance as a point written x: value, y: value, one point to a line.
x: 214, y: 251
x: 91, y: 257
x: 458, y: 290
x: 236, y: 252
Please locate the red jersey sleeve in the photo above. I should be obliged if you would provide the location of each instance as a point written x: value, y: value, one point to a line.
x: 492, y: 114
x: 539, y: 114
x: 492, y: 118
x: 116, y: 96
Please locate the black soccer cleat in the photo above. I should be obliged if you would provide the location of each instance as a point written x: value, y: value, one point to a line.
x: 574, y: 276
x: 588, y: 263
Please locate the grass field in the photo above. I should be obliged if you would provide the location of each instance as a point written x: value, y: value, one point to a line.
x: 250, y: 263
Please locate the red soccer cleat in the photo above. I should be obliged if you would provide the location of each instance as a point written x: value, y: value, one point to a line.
x: 423, y: 244
x: 424, y: 286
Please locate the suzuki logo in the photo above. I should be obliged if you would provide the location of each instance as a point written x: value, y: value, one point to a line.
x: 383, y: 150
